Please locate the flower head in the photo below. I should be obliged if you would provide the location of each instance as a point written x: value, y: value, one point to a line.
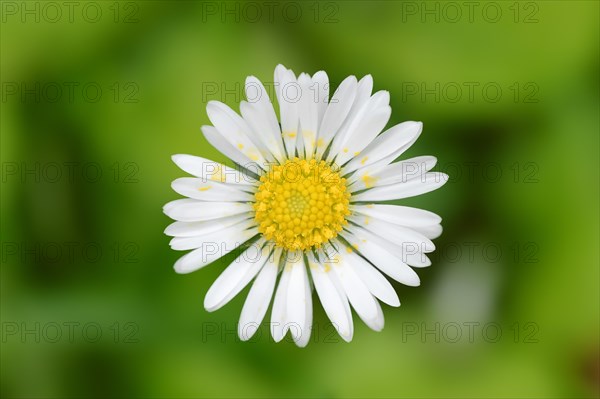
x: 304, y: 201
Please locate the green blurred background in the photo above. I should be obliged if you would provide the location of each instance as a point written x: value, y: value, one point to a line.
x: 96, y: 98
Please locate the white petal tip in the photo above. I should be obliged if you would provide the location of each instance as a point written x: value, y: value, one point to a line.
x: 179, y: 270
x: 177, y: 158
x: 346, y: 338
x: 432, y: 235
x: 277, y: 338
x: 376, y: 324
x: 247, y: 332
x: 210, y: 307
x: 302, y: 343
x: 413, y: 283
x: 345, y: 335
x: 416, y: 125
x: 393, y: 302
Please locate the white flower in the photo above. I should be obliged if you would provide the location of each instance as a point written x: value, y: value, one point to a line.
x: 304, y: 199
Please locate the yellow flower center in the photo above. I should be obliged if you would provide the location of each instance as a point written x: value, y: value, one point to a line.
x: 301, y: 204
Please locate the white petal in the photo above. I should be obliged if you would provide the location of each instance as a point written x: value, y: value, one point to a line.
x: 300, y: 142
x: 376, y: 323
x: 302, y: 341
x: 299, y: 303
x: 308, y: 112
x: 386, y: 147
x: 214, y: 238
x: 210, y: 170
x: 211, y: 251
x: 417, y: 186
x: 359, y: 296
x: 377, y: 284
x: 336, y: 113
x: 217, y: 140
x: 265, y: 119
x: 201, y: 190
x: 332, y: 299
x: 234, y: 129
x: 288, y: 94
x: 397, y: 172
x: 271, y: 148
x: 190, y: 210
x: 402, y: 215
x: 368, y: 123
x: 189, y: 229
x: 420, y: 221
x: 257, y: 124
x: 409, y: 253
x: 279, y: 324
x: 236, y: 276
x: 363, y: 94
x: 431, y: 232
x: 414, y: 259
x: 395, y: 233
x: 375, y: 251
x: 259, y: 297
x: 277, y: 75
x: 321, y: 87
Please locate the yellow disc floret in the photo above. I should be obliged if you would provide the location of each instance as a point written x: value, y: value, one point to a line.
x: 301, y: 204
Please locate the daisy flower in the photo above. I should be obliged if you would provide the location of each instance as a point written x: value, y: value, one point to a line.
x: 304, y: 202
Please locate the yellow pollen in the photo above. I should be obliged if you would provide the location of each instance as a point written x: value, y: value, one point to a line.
x: 301, y: 204
x: 369, y: 181
x: 218, y: 174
